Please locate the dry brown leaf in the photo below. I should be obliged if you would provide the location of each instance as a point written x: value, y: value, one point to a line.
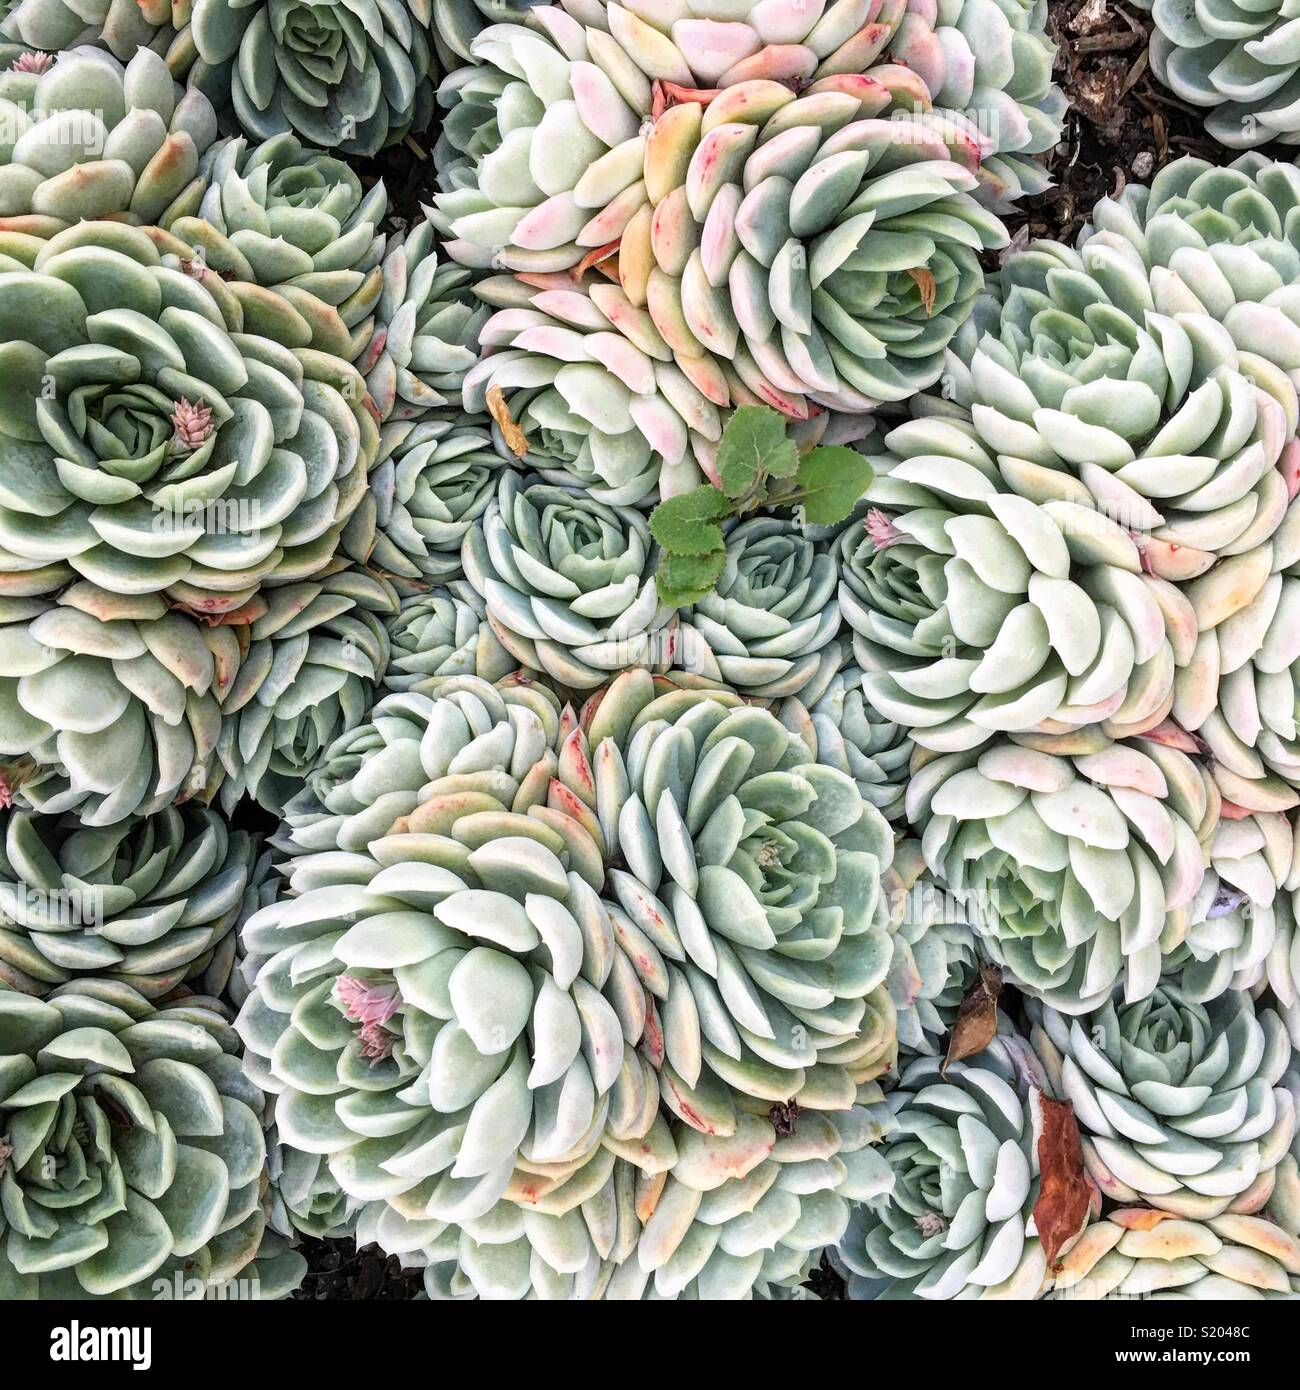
x: 977, y: 1019
x: 516, y: 441
x: 1063, y: 1195
x: 924, y: 280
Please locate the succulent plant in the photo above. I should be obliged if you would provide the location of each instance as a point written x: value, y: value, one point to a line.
x: 1239, y: 64
x: 843, y: 729
x: 1179, y: 1105
x: 589, y: 401
x: 88, y: 137
x: 109, y: 705
x: 793, y: 249
x: 133, y: 1148
x: 152, y: 447
x: 123, y: 27
x: 429, y: 325
x: 963, y: 1149
x: 433, y: 479
x: 1078, y: 856
x: 1241, y: 930
x: 1105, y: 405
x: 456, y: 23
x: 344, y: 75
x: 988, y: 69
x: 315, y: 659
x: 293, y: 236
x: 147, y: 902
x: 1237, y: 695
x: 555, y: 962
x: 1140, y: 1252
x: 978, y: 609
x: 443, y: 633
x: 568, y: 583
x: 769, y: 629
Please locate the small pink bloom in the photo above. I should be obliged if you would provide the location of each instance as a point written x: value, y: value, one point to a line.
x: 376, y: 1041
x: 33, y: 62
x: 193, y: 422
x: 367, y: 1001
x: 882, y: 530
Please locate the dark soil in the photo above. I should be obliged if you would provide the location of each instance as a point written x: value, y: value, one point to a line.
x: 337, y: 1270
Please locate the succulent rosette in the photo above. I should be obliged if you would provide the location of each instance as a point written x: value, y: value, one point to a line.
x: 443, y: 633
x: 1142, y: 1252
x: 123, y: 27
x: 109, y: 705
x: 1239, y: 64
x: 977, y: 609
x: 429, y: 324
x: 315, y: 659
x: 1180, y: 1105
x: 963, y: 1149
x: 149, y: 902
x: 349, y: 75
x: 845, y: 730
x: 434, y: 478
x: 294, y: 236
x: 987, y: 65
x: 797, y: 249
x: 569, y: 583
x: 539, y: 978
x: 133, y: 1149
x: 589, y: 401
x: 768, y: 629
x: 1079, y: 857
x: 87, y: 137
x: 151, y: 446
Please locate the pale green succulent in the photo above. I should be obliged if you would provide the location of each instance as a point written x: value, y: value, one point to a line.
x: 773, y: 246
x: 294, y: 237
x: 1180, y: 1106
x: 597, y: 401
x: 433, y: 479
x: 316, y: 656
x: 843, y: 729
x: 88, y: 137
x: 351, y: 75
x: 133, y: 1149
x: 1138, y: 1252
x: 1241, y: 930
x: 123, y: 27
x: 963, y: 1149
x: 1238, y: 63
x: 530, y: 965
x: 443, y: 633
x: 1079, y: 856
x: 768, y: 630
x: 109, y: 705
x: 1131, y: 442
x: 149, y: 902
x: 152, y: 447
x: 569, y: 583
x: 429, y: 325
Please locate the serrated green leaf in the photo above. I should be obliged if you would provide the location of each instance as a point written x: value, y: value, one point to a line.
x: 832, y: 480
x: 688, y: 524
x: 754, y: 443
x: 685, y: 579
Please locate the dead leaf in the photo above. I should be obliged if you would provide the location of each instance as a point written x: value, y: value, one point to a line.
x: 516, y: 441
x: 977, y: 1019
x: 924, y: 280
x: 1064, y: 1195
